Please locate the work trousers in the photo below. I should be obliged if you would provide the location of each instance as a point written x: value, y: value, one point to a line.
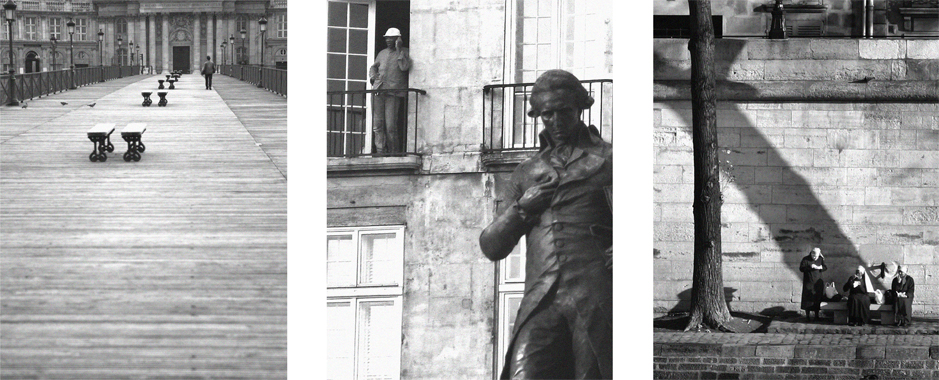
x: 385, y: 122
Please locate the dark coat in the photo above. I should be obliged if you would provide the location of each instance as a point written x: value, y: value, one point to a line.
x: 903, y: 306
x: 568, y: 241
x: 208, y: 67
x: 813, y: 285
x: 859, y: 300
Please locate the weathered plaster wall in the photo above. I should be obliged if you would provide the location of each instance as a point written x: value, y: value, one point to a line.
x: 859, y: 180
x: 447, y: 325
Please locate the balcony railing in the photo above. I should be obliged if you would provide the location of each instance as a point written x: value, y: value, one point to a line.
x: 349, y: 123
x: 34, y: 85
x: 55, y: 6
x: 274, y: 80
x: 279, y: 4
x: 506, y: 125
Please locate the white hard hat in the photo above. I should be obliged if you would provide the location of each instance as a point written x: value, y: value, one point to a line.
x: 393, y: 32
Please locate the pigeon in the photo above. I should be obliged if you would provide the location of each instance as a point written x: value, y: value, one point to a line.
x: 63, y: 103
x: 92, y: 105
x: 24, y: 105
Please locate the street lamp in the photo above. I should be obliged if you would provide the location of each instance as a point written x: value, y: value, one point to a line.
x: 71, y: 50
x: 244, y: 33
x: 101, y: 53
x: 130, y: 52
x: 139, y: 58
x: 8, y: 13
x: 263, y: 24
x: 120, y: 59
x: 53, y: 50
x: 231, y: 42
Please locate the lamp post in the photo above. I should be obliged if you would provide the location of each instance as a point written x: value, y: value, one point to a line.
x: 101, y: 53
x: 139, y: 58
x: 71, y: 53
x: 243, y: 61
x: 8, y: 12
x: 130, y: 52
x: 263, y: 24
x: 231, y: 42
x: 778, y: 25
x: 120, y: 59
x: 53, y: 39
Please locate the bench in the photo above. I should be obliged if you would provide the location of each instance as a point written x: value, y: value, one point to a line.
x: 100, y: 136
x: 146, y: 98
x: 171, y: 84
x: 840, y: 309
x: 162, y: 102
x: 161, y: 84
x: 132, y: 134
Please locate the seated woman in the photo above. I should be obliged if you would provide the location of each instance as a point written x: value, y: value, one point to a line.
x: 902, y: 289
x: 859, y: 302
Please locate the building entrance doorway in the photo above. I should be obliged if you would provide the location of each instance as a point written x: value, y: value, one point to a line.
x: 181, y: 59
x: 32, y: 63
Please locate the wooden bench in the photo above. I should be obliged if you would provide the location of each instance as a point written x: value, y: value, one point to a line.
x: 132, y: 134
x: 840, y: 309
x: 162, y: 102
x: 100, y: 136
x: 146, y: 98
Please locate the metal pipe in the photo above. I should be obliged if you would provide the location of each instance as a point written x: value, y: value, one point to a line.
x: 870, y: 18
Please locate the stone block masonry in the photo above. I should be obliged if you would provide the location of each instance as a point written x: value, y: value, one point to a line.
x: 794, y: 356
x: 807, y: 159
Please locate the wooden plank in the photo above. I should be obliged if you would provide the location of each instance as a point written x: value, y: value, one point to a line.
x: 171, y: 267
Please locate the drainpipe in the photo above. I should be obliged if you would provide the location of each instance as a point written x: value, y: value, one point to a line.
x: 864, y: 19
x: 870, y: 18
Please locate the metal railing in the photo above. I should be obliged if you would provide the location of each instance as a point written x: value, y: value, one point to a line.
x: 506, y: 125
x: 349, y: 123
x: 34, y: 85
x: 55, y: 5
x: 274, y: 80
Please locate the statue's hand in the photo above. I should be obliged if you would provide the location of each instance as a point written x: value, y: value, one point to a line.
x: 538, y: 197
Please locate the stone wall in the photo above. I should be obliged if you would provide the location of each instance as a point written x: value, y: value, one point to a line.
x: 789, y: 361
x: 447, y: 324
x: 860, y: 180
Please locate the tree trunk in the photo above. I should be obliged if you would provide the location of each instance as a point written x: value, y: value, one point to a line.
x: 708, y: 305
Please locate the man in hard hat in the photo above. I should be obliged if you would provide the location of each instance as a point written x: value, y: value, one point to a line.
x: 557, y: 200
x: 390, y: 71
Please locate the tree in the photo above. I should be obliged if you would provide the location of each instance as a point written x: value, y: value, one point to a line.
x: 708, y: 306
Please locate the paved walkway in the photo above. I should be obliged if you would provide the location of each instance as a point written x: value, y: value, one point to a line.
x: 171, y: 267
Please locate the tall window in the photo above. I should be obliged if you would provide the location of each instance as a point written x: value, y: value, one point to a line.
x: 282, y: 26
x: 511, y: 289
x: 55, y: 27
x: 241, y: 23
x: 81, y: 29
x: 122, y: 28
x: 364, y: 276
x: 242, y: 55
x: 30, y: 27
x: 347, y: 60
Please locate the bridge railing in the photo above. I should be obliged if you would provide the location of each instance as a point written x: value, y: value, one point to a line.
x: 274, y: 80
x: 34, y: 85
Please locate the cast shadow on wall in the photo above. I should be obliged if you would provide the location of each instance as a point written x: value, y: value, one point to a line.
x: 806, y: 223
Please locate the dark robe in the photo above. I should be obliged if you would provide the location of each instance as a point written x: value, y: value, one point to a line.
x: 813, y: 285
x: 859, y: 302
x: 903, y: 307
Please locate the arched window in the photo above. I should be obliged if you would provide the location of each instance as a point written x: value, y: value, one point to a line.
x: 31, y: 63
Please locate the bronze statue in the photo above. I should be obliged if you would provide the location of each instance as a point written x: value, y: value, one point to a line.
x: 559, y: 200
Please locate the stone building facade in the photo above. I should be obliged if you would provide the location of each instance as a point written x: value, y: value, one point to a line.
x: 165, y: 34
x: 828, y: 143
x: 445, y: 309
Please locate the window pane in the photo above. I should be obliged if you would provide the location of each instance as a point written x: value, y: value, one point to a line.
x: 340, y: 261
x: 358, y: 15
x: 544, y: 30
x: 379, y: 257
x: 340, y: 338
x: 335, y: 66
x: 358, y: 67
x: 336, y: 40
x: 358, y: 41
x: 337, y: 14
x: 379, y: 340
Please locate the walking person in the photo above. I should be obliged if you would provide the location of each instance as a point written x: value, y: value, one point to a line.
x: 208, y: 68
x: 902, y: 288
x: 390, y: 71
x: 813, y: 285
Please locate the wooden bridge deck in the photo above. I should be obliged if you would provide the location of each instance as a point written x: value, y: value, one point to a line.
x: 173, y: 267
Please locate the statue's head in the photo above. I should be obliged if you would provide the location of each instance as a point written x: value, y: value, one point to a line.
x: 559, y: 98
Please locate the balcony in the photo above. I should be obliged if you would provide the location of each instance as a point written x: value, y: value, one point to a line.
x: 55, y: 6
x: 349, y: 136
x: 510, y: 136
x: 279, y: 4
